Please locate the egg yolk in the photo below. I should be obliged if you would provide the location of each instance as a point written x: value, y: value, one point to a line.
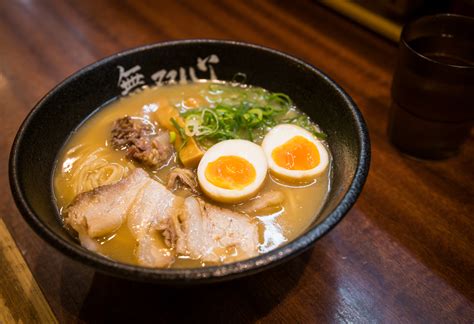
x: 296, y: 154
x: 230, y: 172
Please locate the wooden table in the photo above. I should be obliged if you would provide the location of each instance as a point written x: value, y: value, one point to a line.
x: 404, y: 253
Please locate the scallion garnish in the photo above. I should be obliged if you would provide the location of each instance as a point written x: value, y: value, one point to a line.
x: 241, y: 112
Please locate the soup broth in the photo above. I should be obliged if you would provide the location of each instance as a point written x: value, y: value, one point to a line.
x: 91, y: 144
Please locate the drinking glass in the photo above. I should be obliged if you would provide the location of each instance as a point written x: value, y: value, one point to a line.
x: 432, y: 109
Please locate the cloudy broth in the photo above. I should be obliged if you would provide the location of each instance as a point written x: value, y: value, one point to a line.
x: 277, y: 226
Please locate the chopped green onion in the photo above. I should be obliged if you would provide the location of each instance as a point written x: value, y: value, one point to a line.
x: 281, y: 99
x: 241, y: 112
x: 239, y: 78
x: 172, y: 137
x: 215, y: 88
x: 178, y: 128
x: 304, y: 121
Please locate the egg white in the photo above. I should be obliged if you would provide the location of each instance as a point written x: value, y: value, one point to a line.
x: 281, y: 134
x: 247, y: 150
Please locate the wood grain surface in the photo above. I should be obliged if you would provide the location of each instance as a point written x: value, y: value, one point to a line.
x: 403, y: 254
x: 20, y: 296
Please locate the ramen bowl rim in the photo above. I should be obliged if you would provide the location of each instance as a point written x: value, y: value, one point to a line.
x: 210, y: 273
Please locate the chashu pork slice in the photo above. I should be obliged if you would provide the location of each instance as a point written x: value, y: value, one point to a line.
x: 102, y: 210
x: 215, y: 234
x: 146, y: 206
x: 149, y: 221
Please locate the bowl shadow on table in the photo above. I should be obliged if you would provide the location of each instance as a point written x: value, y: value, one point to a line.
x: 241, y: 301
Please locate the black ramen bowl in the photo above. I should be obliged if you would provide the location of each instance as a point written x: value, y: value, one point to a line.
x: 60, y: 112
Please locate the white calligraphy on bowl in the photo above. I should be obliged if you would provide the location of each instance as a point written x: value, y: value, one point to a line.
x: 131, y: 79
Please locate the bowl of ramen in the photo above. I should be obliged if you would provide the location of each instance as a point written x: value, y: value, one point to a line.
x: 189, y: 161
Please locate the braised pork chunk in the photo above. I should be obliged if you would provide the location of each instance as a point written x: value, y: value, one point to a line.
x: 140, y: 141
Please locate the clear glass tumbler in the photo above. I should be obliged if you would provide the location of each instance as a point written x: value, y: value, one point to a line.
x: 432, y: 109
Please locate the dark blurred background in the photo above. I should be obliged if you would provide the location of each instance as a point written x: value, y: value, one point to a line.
x: 405, y: 10
x: 386, y: 17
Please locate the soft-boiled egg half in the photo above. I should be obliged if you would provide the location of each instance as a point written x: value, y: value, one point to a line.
x: 232, y: 170
x: 294, y: 154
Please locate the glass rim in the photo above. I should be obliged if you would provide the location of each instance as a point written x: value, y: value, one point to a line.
x: 410, y: 25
